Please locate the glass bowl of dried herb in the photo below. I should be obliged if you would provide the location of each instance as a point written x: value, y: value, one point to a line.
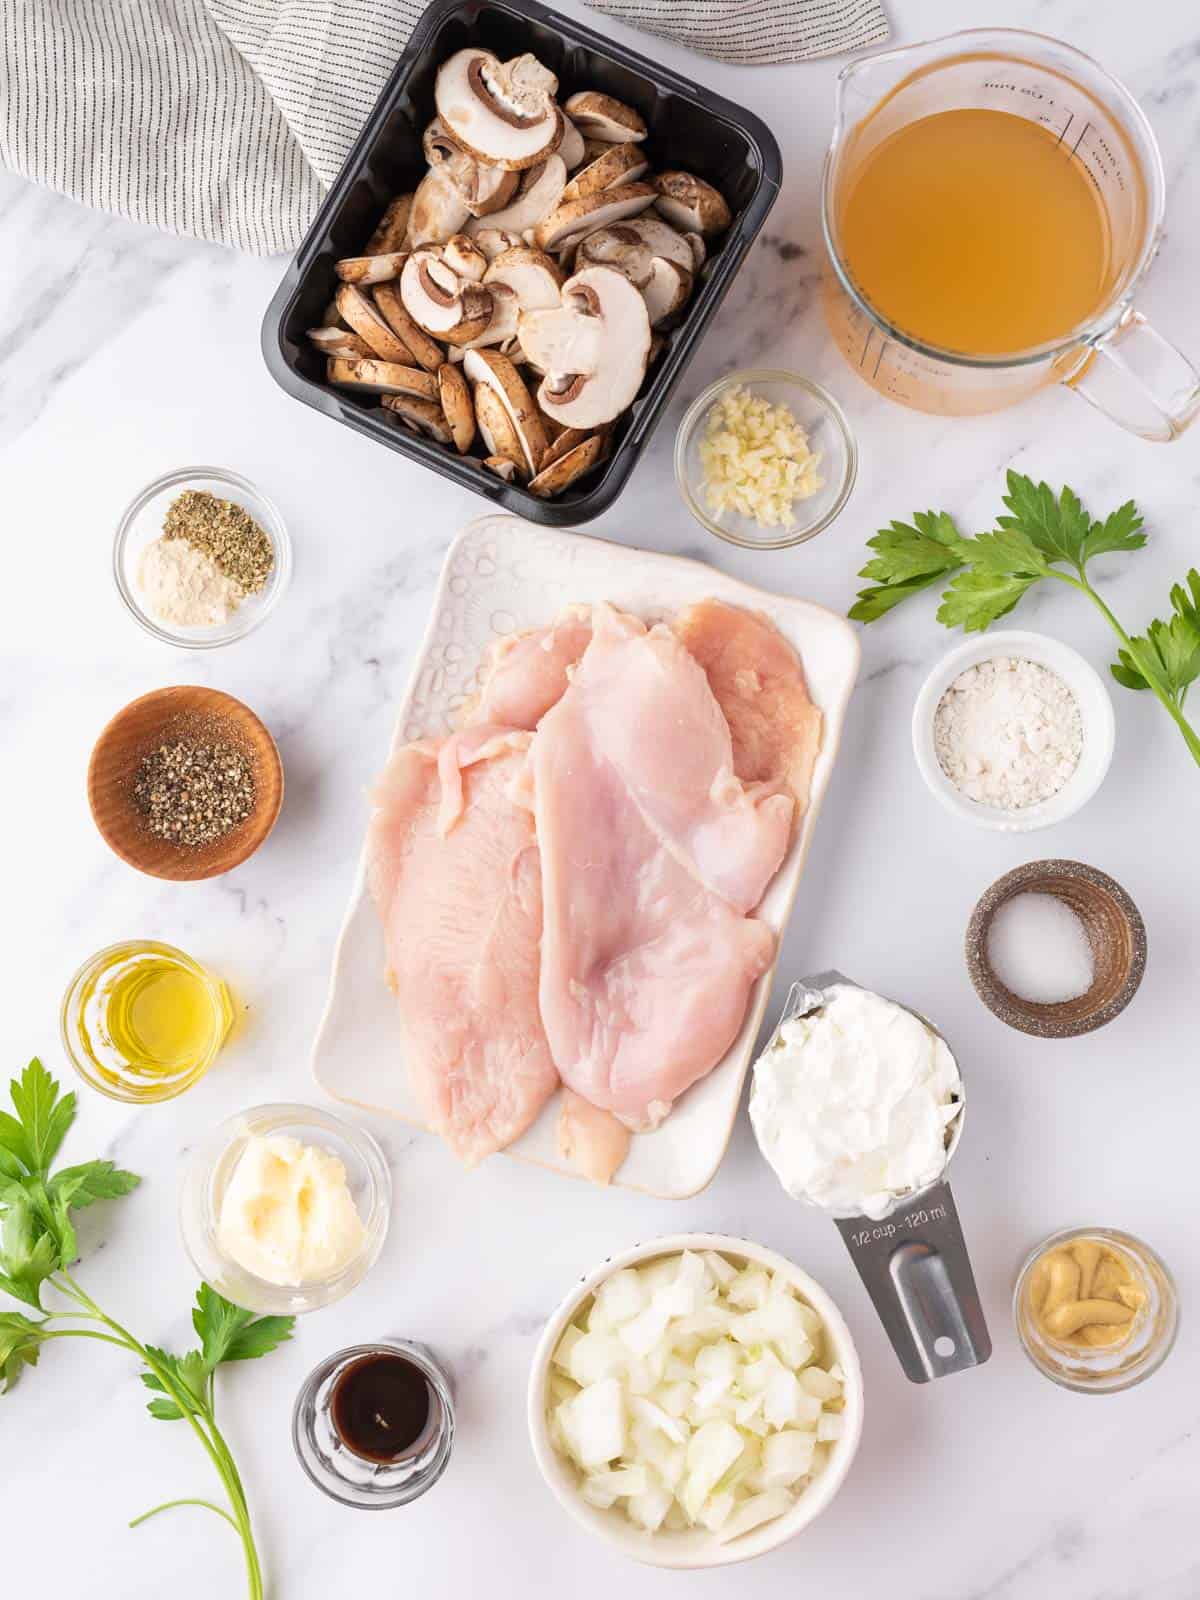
x: 201, y: 557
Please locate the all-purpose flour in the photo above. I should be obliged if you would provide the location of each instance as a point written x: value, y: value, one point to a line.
x: 1008, y: 733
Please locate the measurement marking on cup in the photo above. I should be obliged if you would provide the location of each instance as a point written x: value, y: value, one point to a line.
x: 1066, y: 125
x: 889, y: 1230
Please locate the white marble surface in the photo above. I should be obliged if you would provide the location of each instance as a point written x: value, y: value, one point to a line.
x: 123, y: 354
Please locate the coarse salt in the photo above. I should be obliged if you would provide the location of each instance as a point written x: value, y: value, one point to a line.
x: 1008, y: 733
x: 1039, y: 949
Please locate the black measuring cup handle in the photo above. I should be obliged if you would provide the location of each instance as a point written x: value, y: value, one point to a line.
x: 916, y: 1269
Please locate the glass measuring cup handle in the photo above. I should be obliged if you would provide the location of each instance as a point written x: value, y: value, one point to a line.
x: 915, y: 1267
x: 1140, y: 380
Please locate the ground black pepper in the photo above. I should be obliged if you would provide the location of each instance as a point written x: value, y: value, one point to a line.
x: 194, y: 791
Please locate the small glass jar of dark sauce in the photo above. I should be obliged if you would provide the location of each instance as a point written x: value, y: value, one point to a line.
x: 374, y: 1424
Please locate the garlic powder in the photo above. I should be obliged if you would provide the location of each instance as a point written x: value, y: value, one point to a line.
x: 756, y: 460
x: 185, y: 588
x: 1008, y: 733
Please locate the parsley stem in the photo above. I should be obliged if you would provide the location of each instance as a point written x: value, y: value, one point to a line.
x: 210, y: 1436
x: 169, y: 1505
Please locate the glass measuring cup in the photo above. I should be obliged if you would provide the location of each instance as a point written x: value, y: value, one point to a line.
x: 913, y: 1260
x: 1115, y: 360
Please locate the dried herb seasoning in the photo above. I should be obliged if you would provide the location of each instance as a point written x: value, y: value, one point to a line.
x: 226, y: 533
x: 194, y: 791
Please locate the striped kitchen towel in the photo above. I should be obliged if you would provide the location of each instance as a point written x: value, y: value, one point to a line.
x: 227, y: 119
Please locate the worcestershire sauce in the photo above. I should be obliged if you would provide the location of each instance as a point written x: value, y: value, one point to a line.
x: 380, y: 1407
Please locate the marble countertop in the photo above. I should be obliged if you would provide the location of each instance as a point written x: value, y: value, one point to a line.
x: 123, y: 354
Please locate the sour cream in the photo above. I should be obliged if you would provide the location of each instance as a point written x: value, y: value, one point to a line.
x: 287, y: 1214
x: 851, y: 1104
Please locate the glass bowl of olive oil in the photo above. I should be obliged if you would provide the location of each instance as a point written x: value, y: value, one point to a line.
x: 142, y: 1021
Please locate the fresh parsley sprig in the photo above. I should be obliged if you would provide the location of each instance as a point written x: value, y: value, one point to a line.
x: 1042, y: 536
x: 38, y: 1245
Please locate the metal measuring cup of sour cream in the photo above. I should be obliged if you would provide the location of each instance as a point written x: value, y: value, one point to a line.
x: 913, y: 1257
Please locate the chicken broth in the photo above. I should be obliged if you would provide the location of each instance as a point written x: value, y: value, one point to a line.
x: 976, y: 231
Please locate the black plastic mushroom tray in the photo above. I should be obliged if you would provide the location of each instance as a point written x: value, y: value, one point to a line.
x: 689, y: 128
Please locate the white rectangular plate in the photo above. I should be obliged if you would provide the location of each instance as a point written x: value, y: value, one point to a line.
x: 503, y: 575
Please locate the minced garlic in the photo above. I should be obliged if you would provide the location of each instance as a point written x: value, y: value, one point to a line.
x: 756, y: 459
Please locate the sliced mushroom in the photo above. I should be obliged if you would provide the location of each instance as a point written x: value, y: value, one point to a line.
x: 599, y: 116
x: 530, y: 274
x: 464, y: 258
x: 482, y: 186
x: 426, y: 352
x: 573, y: 149
x: 502, y: 111
x: 495, y: 241
x: 663, y: 240
x: 419, y: 416
x: 370, y: 326
x: 487, y: 369
x: 698, y: 248
x: 571, y: 220
x: 438, y: 210
x: 563, y: 472
x: 593, y: 348
x: 620, y: 163
x: 664, y: 283
x: 668, y: 290
x: 371, y: 269
x: 691, y: 204
x: 566, y: 441
x: 381, y: 377
x: 541, y: 190
x: 455, y: 398
x: 391, y: 228
x: 498, y: 431
x: 501, y: 466
x: 339, y: 342
x: 657, y: 345
x: 440, y: 302
x: 502, y: 324
x: 593, y: 149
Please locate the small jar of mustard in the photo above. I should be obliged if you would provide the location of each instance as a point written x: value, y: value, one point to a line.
x: 1096, y: 1310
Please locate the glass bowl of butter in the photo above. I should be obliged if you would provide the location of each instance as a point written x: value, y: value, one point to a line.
x: 1096, y: 1310
x: 284, y: 1208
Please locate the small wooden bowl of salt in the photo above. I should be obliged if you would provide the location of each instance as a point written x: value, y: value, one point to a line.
x: 1056, y: 949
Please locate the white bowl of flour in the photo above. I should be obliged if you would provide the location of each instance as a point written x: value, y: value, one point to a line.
x: 1013, y: 731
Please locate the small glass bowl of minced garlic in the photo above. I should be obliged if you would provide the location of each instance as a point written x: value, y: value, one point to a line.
x: 1096, y: 1310
x: 765, y: 459
x: 201, y: 557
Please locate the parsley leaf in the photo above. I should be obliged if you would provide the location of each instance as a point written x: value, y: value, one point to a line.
x: 1059, y: 528
x: 28, y: 1254
x: 1166, y: 658
x: 94, y: 1180
x: 976, y: 598
x: 228, y: 1333
x: 20, y: 1341
x: 44, y: 1117
x: 908, y: 557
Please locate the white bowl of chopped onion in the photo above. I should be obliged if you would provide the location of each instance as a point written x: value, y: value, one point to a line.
x: 695, y: 1401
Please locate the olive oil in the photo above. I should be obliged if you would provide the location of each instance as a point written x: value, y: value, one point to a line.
x: 975, y: 231
x: 142, y: 1021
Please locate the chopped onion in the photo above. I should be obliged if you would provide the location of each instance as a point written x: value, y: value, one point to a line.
x: 690, y: 1393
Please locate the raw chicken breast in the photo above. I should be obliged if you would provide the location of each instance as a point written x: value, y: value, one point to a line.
x: 593, y: 1141
x: 457, y: 883
x: 646, y: 971
x: 651, y: 713
x: 759, y: 684
x: 527, y: 672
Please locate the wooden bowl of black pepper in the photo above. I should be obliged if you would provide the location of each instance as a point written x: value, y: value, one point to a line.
x: 185, y: 783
